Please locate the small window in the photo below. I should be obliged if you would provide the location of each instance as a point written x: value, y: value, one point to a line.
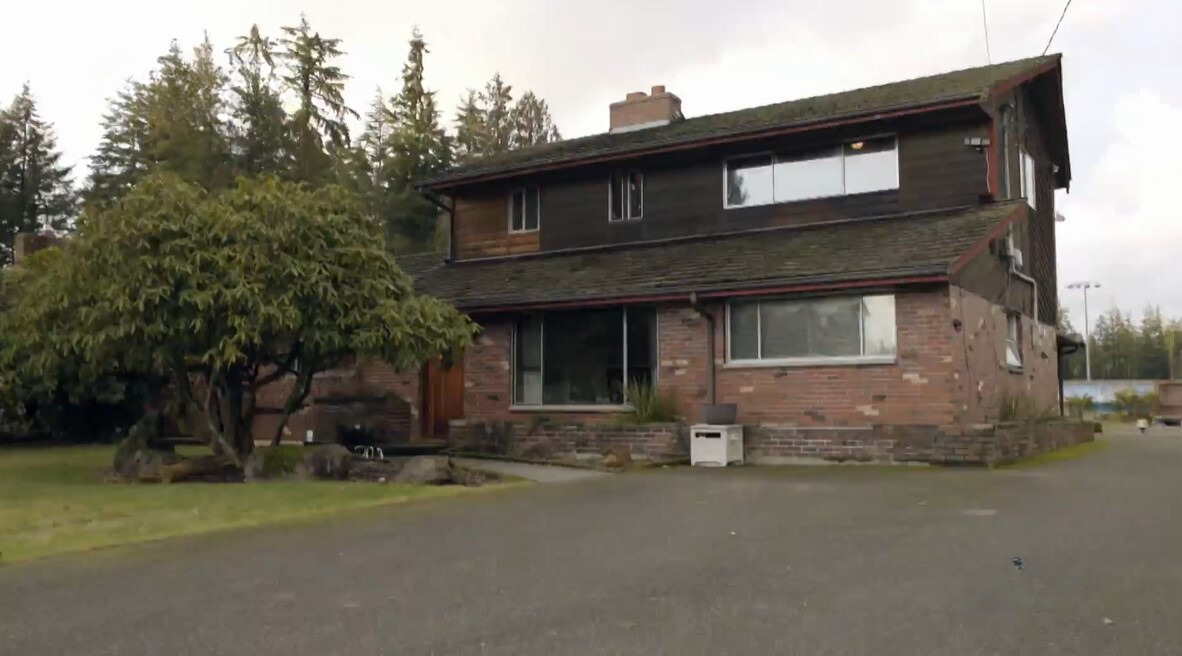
x: 1029, y: 188
x: 626, y: 196
x: 525, y: 208
x: 813, y: 330
x: 1014, y: 340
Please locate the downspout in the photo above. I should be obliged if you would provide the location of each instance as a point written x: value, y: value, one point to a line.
x: 710, y: 328
x: 1033, y: 285
x: 450, y: 208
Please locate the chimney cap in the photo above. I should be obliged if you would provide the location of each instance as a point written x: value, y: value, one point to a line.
x: 636, y: 95
x: 658, y: 89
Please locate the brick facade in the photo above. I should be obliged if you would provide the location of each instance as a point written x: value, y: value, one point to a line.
x: 943, y: 376
x: 369, y: 394
x: 546, y: 440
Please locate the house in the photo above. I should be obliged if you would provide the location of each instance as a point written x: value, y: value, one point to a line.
x: 868, y: 274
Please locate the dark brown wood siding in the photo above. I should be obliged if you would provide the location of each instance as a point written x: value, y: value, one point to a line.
x: 987, y: 275
x: 482, y: 227
x: 683, y: 192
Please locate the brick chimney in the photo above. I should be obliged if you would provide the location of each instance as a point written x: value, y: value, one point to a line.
x: 639, y: 110
x: 27, y: 243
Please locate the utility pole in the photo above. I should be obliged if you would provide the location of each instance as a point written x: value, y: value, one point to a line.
x: 1085, y: 285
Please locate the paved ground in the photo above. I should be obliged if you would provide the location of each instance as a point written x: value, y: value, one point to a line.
x: 739, y: 561
x: 531, y: 472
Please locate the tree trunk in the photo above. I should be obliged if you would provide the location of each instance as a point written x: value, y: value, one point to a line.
x: 295, y: 400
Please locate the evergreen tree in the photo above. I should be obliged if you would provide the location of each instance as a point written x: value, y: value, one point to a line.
x: 319, y: 124
x: 260, y: 140
x: 35, y: 188
x: 489, y: 122
x: 532, y: 123
x: 418, y: 147
x: 122, y: 158
x: 174, y: 121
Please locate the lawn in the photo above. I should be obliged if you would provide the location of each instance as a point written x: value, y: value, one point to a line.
x: 55, y: 500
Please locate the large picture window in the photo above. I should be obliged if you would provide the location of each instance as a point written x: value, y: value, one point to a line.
x: 582, y: 357
x: 814, y: 330
x: 856, y: 167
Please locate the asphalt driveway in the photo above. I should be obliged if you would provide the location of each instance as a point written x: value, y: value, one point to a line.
x: 740, y: 561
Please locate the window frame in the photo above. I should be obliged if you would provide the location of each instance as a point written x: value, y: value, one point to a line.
x: 810, y: 361
x: 524, y: 191
x: 840, y: 146
x: 1016, y: 340
x: 515, y: 406
x: 624, y: 177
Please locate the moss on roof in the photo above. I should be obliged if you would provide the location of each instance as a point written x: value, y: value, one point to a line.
x: 918, y: 92
x: 889, y: 247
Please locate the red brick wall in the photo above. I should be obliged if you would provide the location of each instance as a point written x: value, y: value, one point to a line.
x: 928, y: 385
x: 985, y: 381
x: 917, y: 389
x: 395, y: 419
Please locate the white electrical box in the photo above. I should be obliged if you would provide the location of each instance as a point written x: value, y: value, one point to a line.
x: 717, y: 445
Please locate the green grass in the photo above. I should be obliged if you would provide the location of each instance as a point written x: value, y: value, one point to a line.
x: 1069, y: 453
x: 55, y: 500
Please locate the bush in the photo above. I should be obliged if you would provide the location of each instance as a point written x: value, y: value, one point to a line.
x: 1078, y: 405
x: 1132, y: 405
x: 650, y: 405
x: 281, y: 460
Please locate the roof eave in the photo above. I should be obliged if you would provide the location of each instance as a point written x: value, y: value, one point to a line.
x: 928, y: 274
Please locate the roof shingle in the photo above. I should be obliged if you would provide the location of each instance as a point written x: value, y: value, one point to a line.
x: 935, y: 89
x: 868, y: 249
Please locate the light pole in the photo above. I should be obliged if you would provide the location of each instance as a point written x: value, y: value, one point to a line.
x: 1085, y: 285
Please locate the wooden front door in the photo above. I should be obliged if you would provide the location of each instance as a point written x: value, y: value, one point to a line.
x: 443, y: 395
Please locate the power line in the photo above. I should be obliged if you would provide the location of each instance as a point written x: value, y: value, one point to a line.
x: 1056, y: 31
x: 985, y: 22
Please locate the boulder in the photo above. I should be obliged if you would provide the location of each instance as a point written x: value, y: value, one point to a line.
x: 142, y: 463
x: 331, y: 461
x: 617, y: 457
x: 425, y: 470
x: 256, y: 466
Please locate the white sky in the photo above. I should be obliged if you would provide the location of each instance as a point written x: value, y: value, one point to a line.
x: 1120, y: 66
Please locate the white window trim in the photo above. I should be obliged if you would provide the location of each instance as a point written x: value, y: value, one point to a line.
x: 626, y: 208
x: 840, y: 146
x: 813, y: 361
x: 1029, y: 187
x: 514, y: 406
x: 509, y: 209
x: 1017, y: 342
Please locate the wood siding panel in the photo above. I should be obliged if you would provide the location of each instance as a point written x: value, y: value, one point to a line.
x: 482, y: 228
x: 683, y: 194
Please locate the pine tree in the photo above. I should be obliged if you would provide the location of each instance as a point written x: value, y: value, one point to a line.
x: 319, y: 124
x: 122, y: 158
x: 174, y: 121
x: 35, y: 188
x: 259, y: 130
x: 489, y: 122
x: 403, y: 143
x: 532, y: 123
x: 471, y: 133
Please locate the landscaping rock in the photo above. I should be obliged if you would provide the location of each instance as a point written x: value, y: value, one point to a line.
x: 256, y: 467
x: 331, y: 461
x: 142, y: 464
x: 425, y: 470
x: 617, y: 457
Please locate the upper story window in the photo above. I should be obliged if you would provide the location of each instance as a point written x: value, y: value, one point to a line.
x: 1029, y: 180
x: 855, y: 167
x: 625, y: 196
x: 829, y: 330
x: 525, y: 209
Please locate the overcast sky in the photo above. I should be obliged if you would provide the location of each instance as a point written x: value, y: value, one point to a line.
x: 1123, y: 84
